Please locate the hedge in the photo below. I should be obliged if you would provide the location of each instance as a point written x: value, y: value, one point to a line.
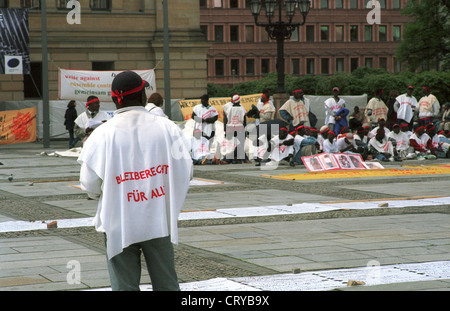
x: 361, y: 81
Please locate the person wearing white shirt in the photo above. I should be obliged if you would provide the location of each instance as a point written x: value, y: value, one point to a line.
x: 139, y: 167
x: 332, y: 106
x: 154, y: 105
x: 428, y: 106
x: 205, y: 117
x: 405, y: 106
x: 89, y: 120
x: 330, y: 144
x: 401, y: 141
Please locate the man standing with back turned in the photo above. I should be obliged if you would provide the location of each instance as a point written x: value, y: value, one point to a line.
x: 139, y: 166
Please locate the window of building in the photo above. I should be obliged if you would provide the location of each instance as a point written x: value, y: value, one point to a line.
x: 367, y: 33
x: 30, y: 4
x: 204, y: 30
x: 397, y: 65
x: 247, y: 3
x: 234, y: 4
x: 219, y: 67
x: 295, y: 66
x: 33, y: 82
x: 382, y: 4
x: 325, y: 66
x: 354, y: 64
x: 217, y: 3
x: 353, y: 4
x: 396, y: 4
x: 324, y: 33
x: 397, y: 33
x: 353, y: 33
x: 368, y: 62
x: 382, y: 62
x: 234, y: 65
x: 295, y: 35
x: 324, y: 4
x: 203, y: 4
x: 249, y: 33
x: 103, y: 66
x: 62, y: 4
x: 264, y: 35
x: 310, y: 66
x: 339, y: 33
x: 339, y: 65
x: 234, y: 33
x: 250, y: 67
x: 339, y: 4
x: 100, y: 4
x: 218, y: 33
x: 382, y: 33
x: 3, y: 3
x: 265, y: 66
x: 309, y: 33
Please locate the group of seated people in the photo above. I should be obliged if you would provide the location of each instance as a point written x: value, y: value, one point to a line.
x: 373, y: 141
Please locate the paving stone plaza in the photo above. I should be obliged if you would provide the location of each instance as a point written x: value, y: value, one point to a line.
x: 241, y: 228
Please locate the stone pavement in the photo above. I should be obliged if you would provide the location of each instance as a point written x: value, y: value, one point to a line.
x: 322, y: 231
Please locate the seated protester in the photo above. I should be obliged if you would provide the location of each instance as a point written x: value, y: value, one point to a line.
x: 381, y: 125
x: 340, y: 120
x: 356, y: 119
x: 434, y: 143
x: 200, y: 149
x: 322, y: 136
x: 404, y: 127
x: 346, y: 143
x: 421, y: 142
x: 381, y: 148
x: 401, y: 142
x: 445, y: 143
x: 361, y: 142
x: 330, y: 145
x: 343, y: 132
x: 154, y: 105
x: 304, y: 145
x: 282, y: 146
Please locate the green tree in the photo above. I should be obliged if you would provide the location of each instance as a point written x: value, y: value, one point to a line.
x: 426, y: 40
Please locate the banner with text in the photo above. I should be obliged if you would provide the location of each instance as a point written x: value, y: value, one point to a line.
x: 80, y: 84
x: 18, y: 126
x: 188, y: 105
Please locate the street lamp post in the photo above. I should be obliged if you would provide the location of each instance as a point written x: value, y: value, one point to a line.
x: 278, y: 29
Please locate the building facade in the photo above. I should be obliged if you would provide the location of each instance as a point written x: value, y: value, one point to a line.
x: 337, y: 37
x: 112, y: 35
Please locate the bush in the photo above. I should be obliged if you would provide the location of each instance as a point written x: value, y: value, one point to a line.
x: 361, y: 81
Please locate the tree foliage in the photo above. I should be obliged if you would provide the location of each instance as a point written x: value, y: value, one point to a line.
x: 361, y: 81
x: 426, y: 40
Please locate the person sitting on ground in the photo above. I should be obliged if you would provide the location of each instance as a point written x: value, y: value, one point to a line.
x: 381, y: 148
x: 304, y: 145
x: 401, y: 140
x: 434, y: 143
x: 89, y: 120
x: 347, y: 143
x: 154, y: 105
x: 330, y: 145
x: 356, y: 119
x: 445, y: 143
x: 200, y: 149
x: 404, y: 127
x: 282, y: 146
x: 444, y: 124
x: 361, y: 142
x: 322, y: 136
x: 381, y: 125
x: 420, y: 143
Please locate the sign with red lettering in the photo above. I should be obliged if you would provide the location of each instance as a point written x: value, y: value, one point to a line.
x: 18, y: 126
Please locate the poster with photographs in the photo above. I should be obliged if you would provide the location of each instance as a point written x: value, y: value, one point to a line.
x: 338, y: 161
x: 14, y: 42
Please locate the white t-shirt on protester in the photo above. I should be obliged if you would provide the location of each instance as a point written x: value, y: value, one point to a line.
x: 140, y: 167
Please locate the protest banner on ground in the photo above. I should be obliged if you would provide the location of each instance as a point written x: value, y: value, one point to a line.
x: 80, y: 84
x: 247, y: 101
x: 18, y: 126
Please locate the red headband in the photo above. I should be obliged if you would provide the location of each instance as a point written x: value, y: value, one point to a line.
x: 298, y: 91
x: 426, y: 88
x: 419, y: 128
x: 283, y: 128
x: 92, y: 101
x: 331, y: 132
x: 264, y: 96
x: 120, y: 95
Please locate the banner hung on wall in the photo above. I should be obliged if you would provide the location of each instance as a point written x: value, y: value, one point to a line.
x: 14, y: 42
x: 18, y: 126
x: 187, y: 105
x: 80, y: 84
